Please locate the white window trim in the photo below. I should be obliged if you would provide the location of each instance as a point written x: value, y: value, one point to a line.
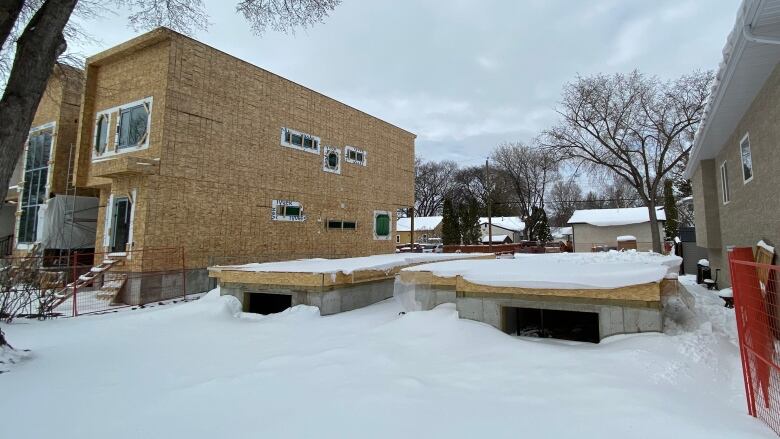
x: 724, y: 183
x: 107, y: 222
x: 348, y: 148
x: 46, y: 126
x: 107, y: 232
x: 742, y: 159
x: 389, y: 232
x: 275, y: 217
x: 301, y: 148
x: 111, y: 153
x: 325, y: 167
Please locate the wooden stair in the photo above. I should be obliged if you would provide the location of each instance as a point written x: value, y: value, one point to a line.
x: 85, y: 280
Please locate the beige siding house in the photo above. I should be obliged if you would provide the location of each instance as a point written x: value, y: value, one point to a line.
x: 734, y: 165
x: 598, y: 228
x: 425, y: 229
x: 190, y: 147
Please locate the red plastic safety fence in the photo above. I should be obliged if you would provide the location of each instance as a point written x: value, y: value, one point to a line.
x: 91, y: 282
x: 757, y: 310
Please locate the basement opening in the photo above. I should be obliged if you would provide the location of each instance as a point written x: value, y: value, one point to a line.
x: 263, y: 303
x: 549, y: 323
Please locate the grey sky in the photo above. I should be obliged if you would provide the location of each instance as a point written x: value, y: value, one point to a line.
x: 467, y: 75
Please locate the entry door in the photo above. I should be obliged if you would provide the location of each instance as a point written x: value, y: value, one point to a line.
x: 121, y: 224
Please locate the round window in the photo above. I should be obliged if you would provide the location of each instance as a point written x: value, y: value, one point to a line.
x: 333, y: 160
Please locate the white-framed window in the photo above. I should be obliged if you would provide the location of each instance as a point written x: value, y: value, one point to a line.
x: 132, y: 124
x: 331, y: 160
x: 101, y: 133
x: 298, y: 140
x: 35, y: 186
x: 724, y: 182
x: 383, y: 228
x: 287, y: 210
x: 355, y: 155
x: 747, y: 159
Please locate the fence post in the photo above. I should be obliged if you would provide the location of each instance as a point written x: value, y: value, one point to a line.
x: 74, y: 281
x: 183, y: 275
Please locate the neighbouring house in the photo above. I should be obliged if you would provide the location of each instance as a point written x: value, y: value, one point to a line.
x: 191, y: 147
x: 733, y: 164
x: 599, y: 229
x: 497, y: 239
x: 426, y: 228
x: 42, y: 206
x: 511, y: 226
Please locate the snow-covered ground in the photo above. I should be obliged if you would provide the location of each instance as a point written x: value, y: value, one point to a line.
x: 201, y: 370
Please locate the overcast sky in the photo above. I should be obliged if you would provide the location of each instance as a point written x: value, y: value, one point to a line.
x: 466, y: 75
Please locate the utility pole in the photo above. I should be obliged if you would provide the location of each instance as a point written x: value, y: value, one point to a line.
x: 411, y: 232
x: 489, y: 210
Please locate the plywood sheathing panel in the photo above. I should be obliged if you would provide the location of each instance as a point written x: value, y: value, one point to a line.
x: 645, y: 293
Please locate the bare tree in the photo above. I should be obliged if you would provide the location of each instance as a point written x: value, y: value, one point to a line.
x: 634, y: 126
x: 472, y: 183
x: 565, y: 198
x: 530, y: 171
x: 35, y: 33
x: 433, y: 182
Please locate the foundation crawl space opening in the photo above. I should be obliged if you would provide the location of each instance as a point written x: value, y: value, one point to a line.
x: 550, y: 323
x: 263, y: 303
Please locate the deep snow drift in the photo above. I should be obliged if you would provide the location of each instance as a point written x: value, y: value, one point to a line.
x: 202, y: 370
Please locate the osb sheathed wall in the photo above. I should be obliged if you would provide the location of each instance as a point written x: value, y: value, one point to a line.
x: 216, y: 124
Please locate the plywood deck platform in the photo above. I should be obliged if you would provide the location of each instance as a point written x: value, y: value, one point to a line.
x: 311, y: 274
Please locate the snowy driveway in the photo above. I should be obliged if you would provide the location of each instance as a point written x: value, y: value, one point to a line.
x: 197, y: 371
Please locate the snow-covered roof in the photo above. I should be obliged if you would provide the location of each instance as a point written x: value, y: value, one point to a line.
x: 747, y: 63
x: 513, y: 223
x: 561, y: 270
x: 421, y: 223
x: 614, y: 217
x: 560, y: 232
x: 384, y: 262
x: 625, y: 238
x: 496, y: 238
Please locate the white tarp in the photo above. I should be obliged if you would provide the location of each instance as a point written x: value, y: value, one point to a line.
x: 68, y: 222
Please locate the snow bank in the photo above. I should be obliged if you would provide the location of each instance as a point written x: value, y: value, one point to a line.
x: 348, y: 265
x: 561, y: 270
x: 614, y: 217
x: 192, y: 372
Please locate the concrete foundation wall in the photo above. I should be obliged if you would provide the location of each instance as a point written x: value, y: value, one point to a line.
x: 329, y: 301
x: 152, y: 287
x: 613, y: 319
